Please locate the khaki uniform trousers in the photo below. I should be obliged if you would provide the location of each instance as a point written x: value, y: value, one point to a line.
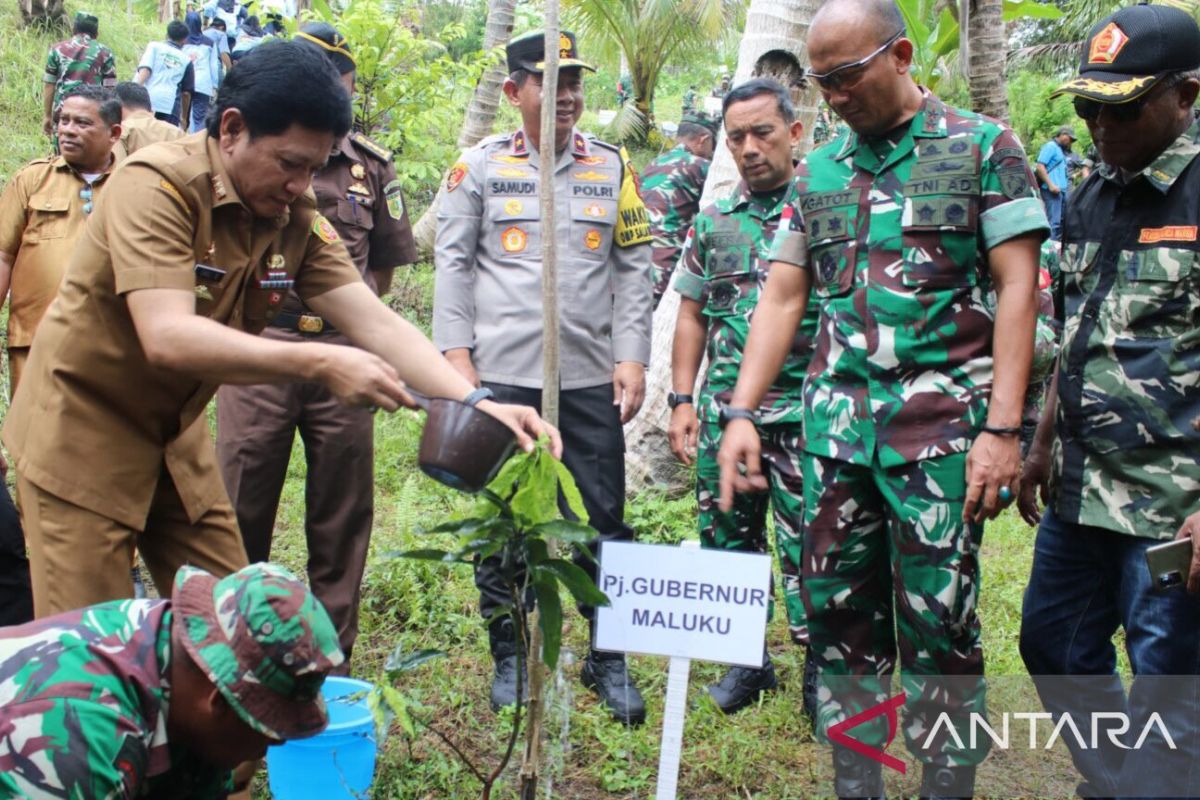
x: 79, y: 558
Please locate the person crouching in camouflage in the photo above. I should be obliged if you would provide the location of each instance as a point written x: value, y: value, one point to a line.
x: 163, y: 698
x: 723, y: 267
x: 912, y: 401
x: 671, y: 188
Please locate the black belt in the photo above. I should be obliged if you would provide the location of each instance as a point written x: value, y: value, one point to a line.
x: 301, y: 323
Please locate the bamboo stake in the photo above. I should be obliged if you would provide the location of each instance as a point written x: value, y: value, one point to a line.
x: 547, y: 160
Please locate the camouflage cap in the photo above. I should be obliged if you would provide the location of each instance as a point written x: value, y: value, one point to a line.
x: 86, y: 16
x: 704, y: 121
x: 264, y: 641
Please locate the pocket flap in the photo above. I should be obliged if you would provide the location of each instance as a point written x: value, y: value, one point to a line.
x: 44, y: 201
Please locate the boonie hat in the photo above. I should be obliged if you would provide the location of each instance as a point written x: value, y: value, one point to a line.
x: 703, y: 120
x: 86, y: 16
x: 1068, y: 130
x: 264, y: 641
x: 1128, y: 52
x: 326, y: 37
x: 528, y: 52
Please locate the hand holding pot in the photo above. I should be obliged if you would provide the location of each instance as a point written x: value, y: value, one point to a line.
x: 359, y: 378
x: 525, y: 423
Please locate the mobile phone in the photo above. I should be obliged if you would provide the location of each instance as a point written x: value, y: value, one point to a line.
x: 1169, y: 564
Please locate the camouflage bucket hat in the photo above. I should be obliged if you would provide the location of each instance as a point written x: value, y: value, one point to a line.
x: 264, y: 641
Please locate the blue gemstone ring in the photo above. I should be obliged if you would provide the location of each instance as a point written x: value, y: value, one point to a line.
x: 1005, y: 494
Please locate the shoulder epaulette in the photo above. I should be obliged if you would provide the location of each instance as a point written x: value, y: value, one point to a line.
x: 371, y: 148
x: 616, y: 148
x: 495, y: 138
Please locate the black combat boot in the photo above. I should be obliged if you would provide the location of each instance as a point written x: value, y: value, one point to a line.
x: 943, y: 783
x: 856, y: 776
x: 812, y: 674
x: 503, y: 640
x: 742, y: 686
x: 607, y: 675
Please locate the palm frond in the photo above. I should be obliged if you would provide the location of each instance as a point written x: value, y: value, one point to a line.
x: 629, y: 124
x: 1056, y: 56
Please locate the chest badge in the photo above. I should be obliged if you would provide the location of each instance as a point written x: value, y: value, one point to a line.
x: 513, y: 240
x: 359, y: 188
x: 357, y: 172
x: 514, y: 207
x: 202, y: 293
x: 596, y: 211
x: 512, y: 172
x: 592, y: 239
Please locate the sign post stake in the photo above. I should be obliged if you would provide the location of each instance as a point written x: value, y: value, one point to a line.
x: 674, y: 714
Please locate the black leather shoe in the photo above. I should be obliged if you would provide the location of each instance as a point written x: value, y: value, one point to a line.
x: 943, y: 783
x: 809, y: 688
x: 856, y: 776
x: 503, y: 644
x: 742, y: 686
x: 607, y: 675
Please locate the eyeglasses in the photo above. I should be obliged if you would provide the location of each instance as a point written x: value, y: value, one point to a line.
x: 85, y: 194
x: 848, y: 75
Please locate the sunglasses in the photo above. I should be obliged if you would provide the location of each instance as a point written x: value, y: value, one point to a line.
x: 848, y: 75
x: 1089, y: 110
x: 85, y: 194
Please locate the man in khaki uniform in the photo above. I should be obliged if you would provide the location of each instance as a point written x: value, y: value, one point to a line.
x: 44, y: 208
x: 358, y: 192
x: 139, y: 126
x: 189, y: 257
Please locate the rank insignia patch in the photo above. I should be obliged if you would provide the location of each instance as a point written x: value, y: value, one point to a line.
x: 357, y: 172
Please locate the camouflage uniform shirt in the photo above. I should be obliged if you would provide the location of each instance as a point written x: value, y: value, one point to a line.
x: 83, y: 708
x: 1127, y: 453
x: 724, y: 267
x: 671, y: 189
x: 79, y: 60
x: 897, y: 235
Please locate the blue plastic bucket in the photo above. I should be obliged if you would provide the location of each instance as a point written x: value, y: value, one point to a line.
x: 337, y: 763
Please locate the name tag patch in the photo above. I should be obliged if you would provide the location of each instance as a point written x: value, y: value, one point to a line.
x: 1169, y: 233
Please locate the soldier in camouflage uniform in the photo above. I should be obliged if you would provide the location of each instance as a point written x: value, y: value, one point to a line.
x: 78, y: 60
x: 723, y: 267
x: 671, y: 188
x: 163, y: 698
x: 912, y: 408
x: 1118, y: 443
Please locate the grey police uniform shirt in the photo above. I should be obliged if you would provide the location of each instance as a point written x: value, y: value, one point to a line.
x: 488, y: 255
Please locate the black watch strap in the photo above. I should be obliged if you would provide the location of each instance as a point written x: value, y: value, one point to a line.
x: 1013, y: 431
x: 480, y: 394
x: 675, y: 399
x: 730, y: 412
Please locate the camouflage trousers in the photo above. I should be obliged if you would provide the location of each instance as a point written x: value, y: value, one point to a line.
x: 890, y: 569
x: 744, y: 528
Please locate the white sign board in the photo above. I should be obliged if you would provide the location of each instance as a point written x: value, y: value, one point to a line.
x: 712, y: 106
x: 684, y: 602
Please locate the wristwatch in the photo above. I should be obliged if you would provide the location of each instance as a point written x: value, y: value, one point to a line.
x: 479, y: 395
x: 731, y: 412
x: 676, y: 399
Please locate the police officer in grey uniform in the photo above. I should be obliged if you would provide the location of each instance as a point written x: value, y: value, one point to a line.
x: 488, y: 312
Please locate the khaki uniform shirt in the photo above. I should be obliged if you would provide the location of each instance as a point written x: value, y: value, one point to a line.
x: 358, y: 192
x: 139, y: 131
x: 41, y: 219
x: 488, y: 255
x: 92, y: 421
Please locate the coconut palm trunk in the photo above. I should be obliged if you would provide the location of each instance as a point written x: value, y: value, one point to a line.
x: 481, y: 113
x: 46, y: 14
x: 987, y: 44
x: 773, y: 45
